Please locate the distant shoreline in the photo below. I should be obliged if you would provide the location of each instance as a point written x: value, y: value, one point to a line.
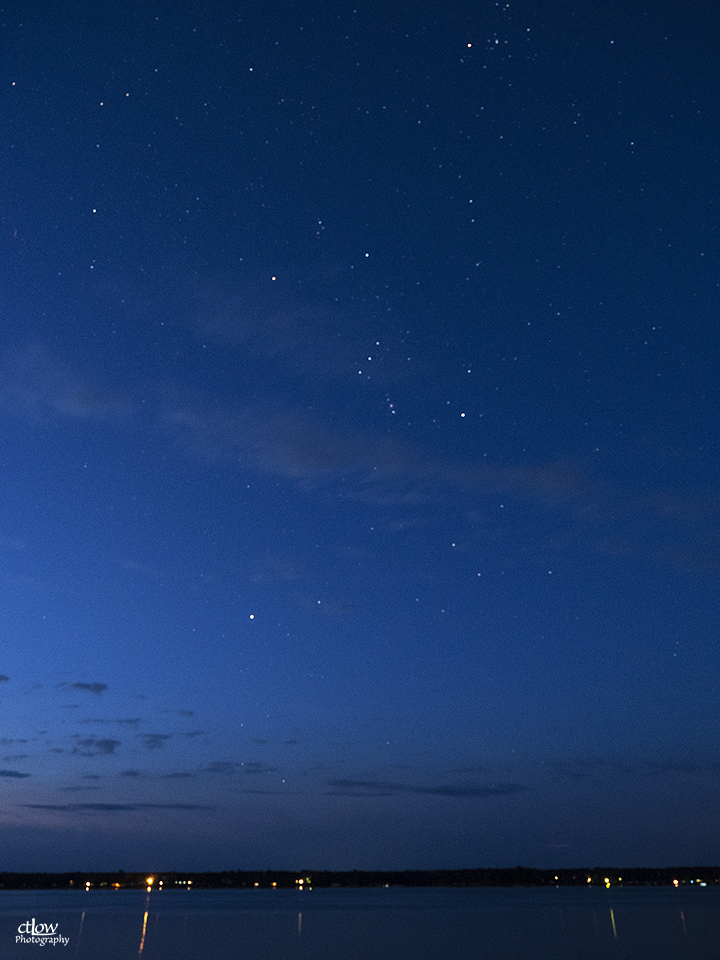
x: 157, y: 881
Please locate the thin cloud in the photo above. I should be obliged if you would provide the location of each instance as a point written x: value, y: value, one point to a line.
x: 121, y: 722
x: 289, y: 333
x: 13, y: 774
x: 596, y: 771
x: 92, y: 747
x: 253, y: 766
x: 279, y: 569
x: 578, y: 770
x: 384, y: 470
x: 327, y: 608
x: 12, y: 543
x: 223, y: 767
x: 376, y: 468
x: 387, y: 471
x: 154, y: 741
x: 78, y: 789
x: 284, y: 442
x: 96, y: 688
x: 274, y: 793
x: 385, y: 788
x: 114, y: 807
x: 36, y: 386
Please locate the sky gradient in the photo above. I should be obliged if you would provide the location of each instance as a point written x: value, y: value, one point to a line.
x: 359, y: 402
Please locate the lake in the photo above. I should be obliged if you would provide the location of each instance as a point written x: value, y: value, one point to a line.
x: 566, y: 923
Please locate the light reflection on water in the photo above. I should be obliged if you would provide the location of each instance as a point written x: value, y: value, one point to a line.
x: 144, y: 930
x: 372, y: 924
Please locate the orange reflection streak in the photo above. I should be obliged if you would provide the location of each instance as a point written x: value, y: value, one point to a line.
x: 612, y: 918
x: 142, y: 937
x: 299, y: 923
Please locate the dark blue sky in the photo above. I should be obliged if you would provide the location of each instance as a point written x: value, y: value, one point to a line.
x: 359, y: 403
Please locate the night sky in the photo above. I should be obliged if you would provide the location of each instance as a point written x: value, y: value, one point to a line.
x: 359, y: 465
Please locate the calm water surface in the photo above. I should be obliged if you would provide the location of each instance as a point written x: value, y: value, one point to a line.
x: 570, y: 923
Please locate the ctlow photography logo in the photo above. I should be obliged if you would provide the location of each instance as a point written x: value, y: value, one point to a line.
x: 42, y: 933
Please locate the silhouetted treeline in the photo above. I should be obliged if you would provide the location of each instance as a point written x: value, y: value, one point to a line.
x: 306, y: 879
